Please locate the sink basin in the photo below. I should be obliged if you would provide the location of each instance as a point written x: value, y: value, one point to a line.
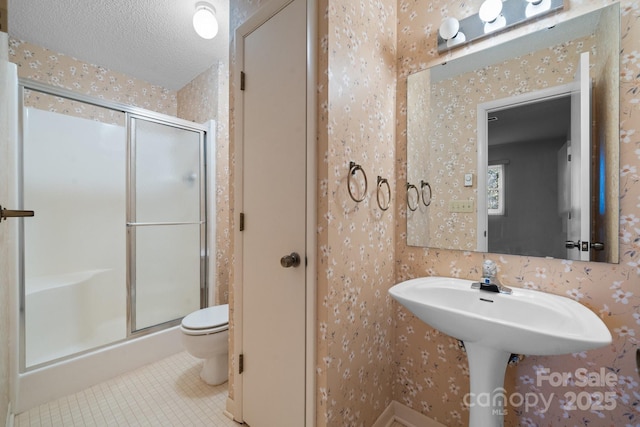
x: 524, y: 322
x: 495, y: 325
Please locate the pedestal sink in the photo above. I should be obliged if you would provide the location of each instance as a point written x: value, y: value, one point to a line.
x: 495, y: 325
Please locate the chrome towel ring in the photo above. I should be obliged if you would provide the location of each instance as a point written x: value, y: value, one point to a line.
x: 353, y: 168
x: 426, y: 201
x: 383, y: 181
x: 409, y: 188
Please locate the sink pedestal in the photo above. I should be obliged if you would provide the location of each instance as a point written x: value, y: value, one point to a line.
x: 487, y: 395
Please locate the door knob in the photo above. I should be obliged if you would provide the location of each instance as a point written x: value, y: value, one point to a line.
x: 571, y: 244
x: 584, y: 246
x: 292, y: 260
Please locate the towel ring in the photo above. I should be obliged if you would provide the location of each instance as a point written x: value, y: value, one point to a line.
x: 424, y: 184
x: 353, y: 168
x: 409, y: 187
x: 383, y: 181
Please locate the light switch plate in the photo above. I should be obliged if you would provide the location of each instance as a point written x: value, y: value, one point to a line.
x: 465, y: 206
x: 468, y: 180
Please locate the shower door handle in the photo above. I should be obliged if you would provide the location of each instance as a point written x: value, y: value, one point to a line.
x: 6, y: 213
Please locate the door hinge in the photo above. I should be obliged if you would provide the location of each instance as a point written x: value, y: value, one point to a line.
x: 241, y: 221
x: 568, y: 157
x: 241, y: 363
x: 242, y: 79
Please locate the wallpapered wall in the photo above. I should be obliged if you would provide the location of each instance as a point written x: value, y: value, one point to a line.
x: 432, y: 375
x: 357, y: 99
x: 60, y: 70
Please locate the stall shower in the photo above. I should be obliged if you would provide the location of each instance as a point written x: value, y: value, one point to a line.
x: 118, y: 246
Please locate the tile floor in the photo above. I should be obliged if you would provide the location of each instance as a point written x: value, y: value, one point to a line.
x: 166, y: 393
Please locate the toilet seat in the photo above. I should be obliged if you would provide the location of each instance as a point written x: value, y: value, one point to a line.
x: 208, y: 320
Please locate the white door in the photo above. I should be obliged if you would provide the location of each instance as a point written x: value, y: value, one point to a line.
x: 273, y: 202
x: 579, y: 221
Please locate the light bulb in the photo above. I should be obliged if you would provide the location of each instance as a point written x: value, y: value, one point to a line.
x: 450, y: 31
x: 490, y: 10
x: 204, y: 21
x: 449, y: 28
x: 535, y: 7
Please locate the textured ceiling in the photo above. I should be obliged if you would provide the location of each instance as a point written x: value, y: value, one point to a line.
x: 153, y: 40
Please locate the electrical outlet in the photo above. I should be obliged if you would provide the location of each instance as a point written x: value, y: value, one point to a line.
x: 465, y: 206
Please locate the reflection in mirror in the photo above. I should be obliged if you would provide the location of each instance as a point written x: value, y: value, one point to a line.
x: 525, y: 144
x: 477, y: 117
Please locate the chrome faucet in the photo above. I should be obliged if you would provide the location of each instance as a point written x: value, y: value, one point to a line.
x: 489, y: 280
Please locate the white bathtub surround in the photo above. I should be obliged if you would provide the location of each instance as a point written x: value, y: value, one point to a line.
x: 70, y: 376
x: 70, y: 313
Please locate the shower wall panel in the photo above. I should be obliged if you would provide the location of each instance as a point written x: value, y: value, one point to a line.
x: 74, y: 178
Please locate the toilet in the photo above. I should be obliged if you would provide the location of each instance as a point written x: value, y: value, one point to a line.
x: 205, y: 335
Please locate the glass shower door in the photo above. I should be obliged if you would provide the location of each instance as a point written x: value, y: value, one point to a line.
x: 74, y: 264
x: 166, y: 225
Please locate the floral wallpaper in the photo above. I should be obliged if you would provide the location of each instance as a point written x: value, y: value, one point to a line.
x: 431, y: 375
x: 357, y: 98
x: 60, y: 70
x: 198, y: 98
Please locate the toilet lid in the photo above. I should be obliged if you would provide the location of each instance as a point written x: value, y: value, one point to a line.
x: 207, y: 318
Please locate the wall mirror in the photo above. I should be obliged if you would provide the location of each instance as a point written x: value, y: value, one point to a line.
x: 515, y: 149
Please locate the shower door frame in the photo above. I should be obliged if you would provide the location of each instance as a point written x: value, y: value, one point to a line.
x: 129, y: 112
x: 130, y: 118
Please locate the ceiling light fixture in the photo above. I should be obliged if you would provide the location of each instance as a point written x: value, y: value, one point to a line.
x: 204, y: 20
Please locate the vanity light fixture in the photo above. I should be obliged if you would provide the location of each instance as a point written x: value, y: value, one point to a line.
x: 450, y: 31
x: 536, y: 7
x: 492, y: 17
x: 204, y: 20
x: 491, y: 14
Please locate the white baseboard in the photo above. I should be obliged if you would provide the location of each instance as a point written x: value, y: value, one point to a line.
x: 230, y: 410
x: 10, y: 417
x: 405, y: 415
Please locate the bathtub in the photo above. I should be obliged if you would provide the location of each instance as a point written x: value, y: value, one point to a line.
x: 53, y: 305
